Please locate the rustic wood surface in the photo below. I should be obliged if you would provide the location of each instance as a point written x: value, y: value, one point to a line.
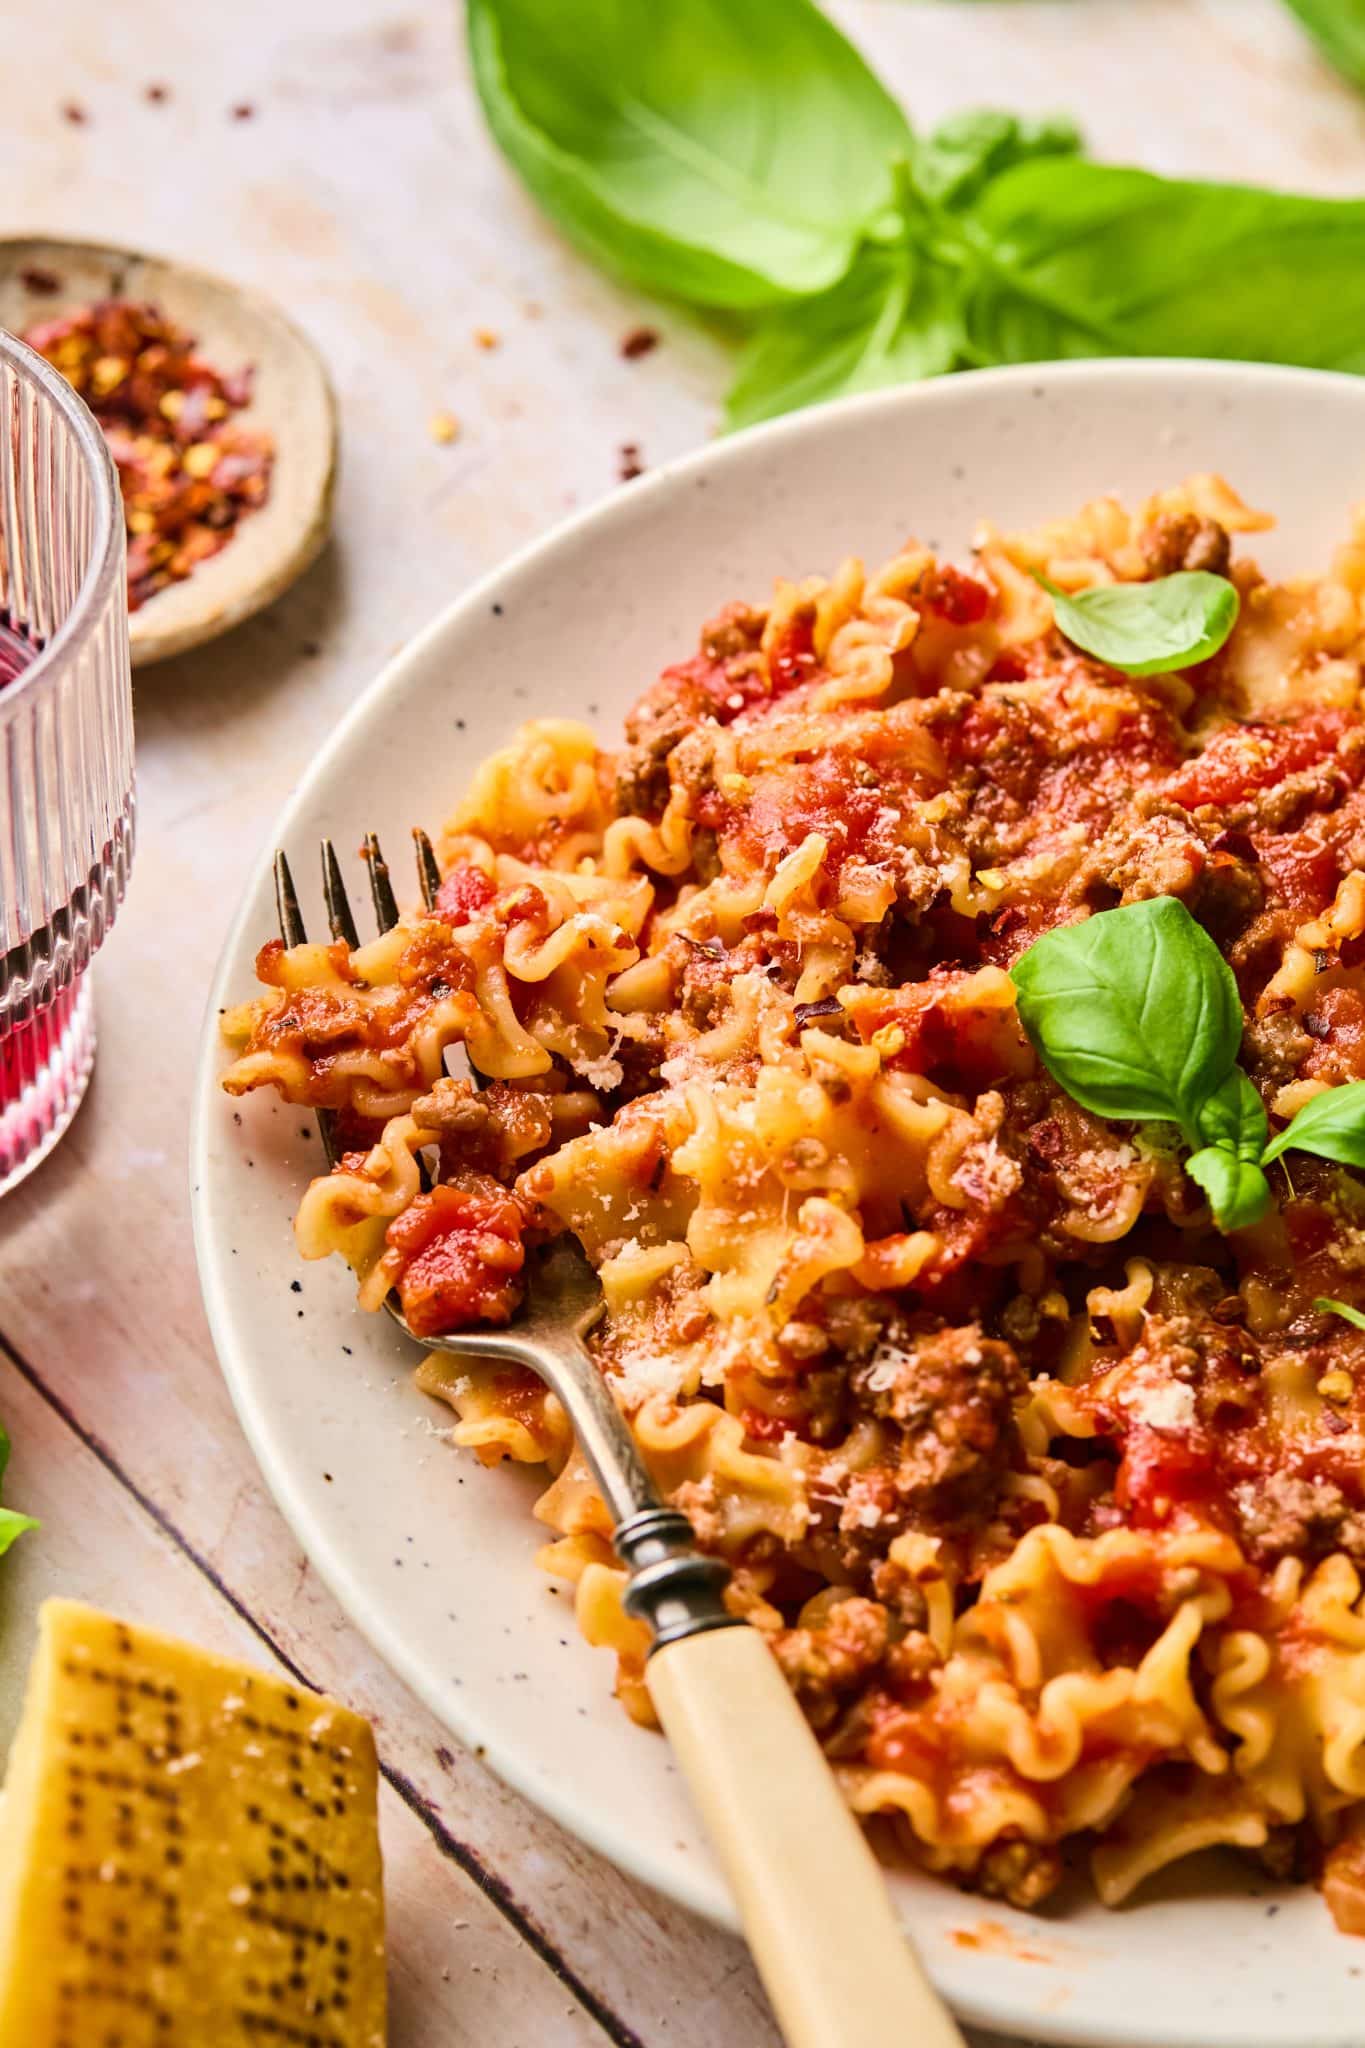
x: 331, y: 152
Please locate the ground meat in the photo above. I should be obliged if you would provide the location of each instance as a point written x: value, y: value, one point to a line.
x: 824, y: 1664
x: 1021, y: 1873
x: 490, y: 1130
x: 1182, y: 540
x: 912, y: 1662
x: 1161, y: 856
x: 856, y: 1321
x: 803, y: 1340
x: 736, y: 629
x: 697, y: 1500
x: 900, y: 1592
x: 952, y: 1396
x: 1281, y: 1516
x: 654, y: 729
x: 1227, y: 895
x: 1277, y: 1044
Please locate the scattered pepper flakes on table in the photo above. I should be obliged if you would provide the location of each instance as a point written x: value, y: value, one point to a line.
x: 443, y: 427
x: 75, y: 113
x: 639, y: 342
x: 188, y: 472
x: 484, y: 337
x: 243, y: 111
x: 156, y: 93
x: 631, y: 464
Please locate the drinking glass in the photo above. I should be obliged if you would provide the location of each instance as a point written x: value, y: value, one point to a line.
x: 66, y: 746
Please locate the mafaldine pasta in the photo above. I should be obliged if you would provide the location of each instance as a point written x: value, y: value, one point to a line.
x: 1048, y: 1496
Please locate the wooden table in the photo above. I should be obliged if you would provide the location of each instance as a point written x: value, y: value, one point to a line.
x: 332, y: 152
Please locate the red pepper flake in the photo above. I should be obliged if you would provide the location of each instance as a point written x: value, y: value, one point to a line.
x: 631, y: 465
x: 75, y: 113
x: 157, y: 94
x: 243, y: 111
x: 187, y: 470
x: 44, y: 284
x: 639, y: 342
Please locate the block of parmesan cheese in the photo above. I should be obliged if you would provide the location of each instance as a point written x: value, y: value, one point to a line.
x: 189, y: 1853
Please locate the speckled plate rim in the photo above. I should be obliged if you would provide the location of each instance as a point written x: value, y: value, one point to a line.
x: 1092, y: 2006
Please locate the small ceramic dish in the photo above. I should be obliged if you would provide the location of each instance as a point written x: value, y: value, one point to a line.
x: 432, y: 1555
x: 291, y: 397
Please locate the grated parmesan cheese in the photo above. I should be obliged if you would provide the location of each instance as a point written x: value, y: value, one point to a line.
x: 603, y: 1074
x: 1167, y: 1406
x: 638, y: 1376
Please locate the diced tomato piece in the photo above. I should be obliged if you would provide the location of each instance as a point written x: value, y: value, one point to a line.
x: 1301, y: 868
x: 1337, y: 1024
x: 463, y: 893
x: 945, y: 593
x: 461, y: 1252
x: 1243, y: 758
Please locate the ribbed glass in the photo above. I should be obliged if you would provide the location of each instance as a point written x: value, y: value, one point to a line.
x: 66, y: 745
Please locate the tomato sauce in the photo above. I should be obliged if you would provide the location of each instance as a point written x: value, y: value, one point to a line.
x: 461, y: 1252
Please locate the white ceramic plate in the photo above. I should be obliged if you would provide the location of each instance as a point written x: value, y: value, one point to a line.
x: 430, y: 1554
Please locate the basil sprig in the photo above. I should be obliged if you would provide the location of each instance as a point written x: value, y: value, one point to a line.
x: 741, y: 157
x: 1136, y: 1014
x: 1146, y: 629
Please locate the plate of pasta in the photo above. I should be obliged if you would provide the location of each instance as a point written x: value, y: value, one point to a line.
x: 902, y: 908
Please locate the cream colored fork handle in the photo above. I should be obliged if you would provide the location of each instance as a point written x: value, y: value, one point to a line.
x: 838, y: 1969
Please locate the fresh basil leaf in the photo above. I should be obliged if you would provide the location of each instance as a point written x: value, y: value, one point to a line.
x: 1074, y: 258
x: 1147, y: 628
x: 1238, y: 1191
x: 891, y: 320
x: 951, y: 165
x: 730, y: 152
x: 1343, y: 1309
x: 12, y: 1525
x: 1134, y: 1012
x: 1338, y: 29
x: 1332, y: 1125
x: 1234, y: 1118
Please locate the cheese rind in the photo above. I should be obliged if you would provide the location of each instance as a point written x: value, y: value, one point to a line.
x: 189, y: 1853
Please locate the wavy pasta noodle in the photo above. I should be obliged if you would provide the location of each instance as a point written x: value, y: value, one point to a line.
x: 1048, y: 1499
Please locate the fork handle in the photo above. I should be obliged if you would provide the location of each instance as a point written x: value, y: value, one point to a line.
x: 833, y: 1959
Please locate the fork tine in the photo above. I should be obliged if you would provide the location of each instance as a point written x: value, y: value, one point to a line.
x: 381, y: 889
x: 339, y: 915
x: 428, y: 874
x: 292, y: 929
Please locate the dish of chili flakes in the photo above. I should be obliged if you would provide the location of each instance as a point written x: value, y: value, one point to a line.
x: 188, y: 471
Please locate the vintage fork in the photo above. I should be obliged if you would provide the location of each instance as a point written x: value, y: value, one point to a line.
x: 835, y: 1963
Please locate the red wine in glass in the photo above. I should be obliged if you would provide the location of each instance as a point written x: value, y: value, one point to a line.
x: 66, y: 746
x: 27, y: 1047
x: 16, y: 650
